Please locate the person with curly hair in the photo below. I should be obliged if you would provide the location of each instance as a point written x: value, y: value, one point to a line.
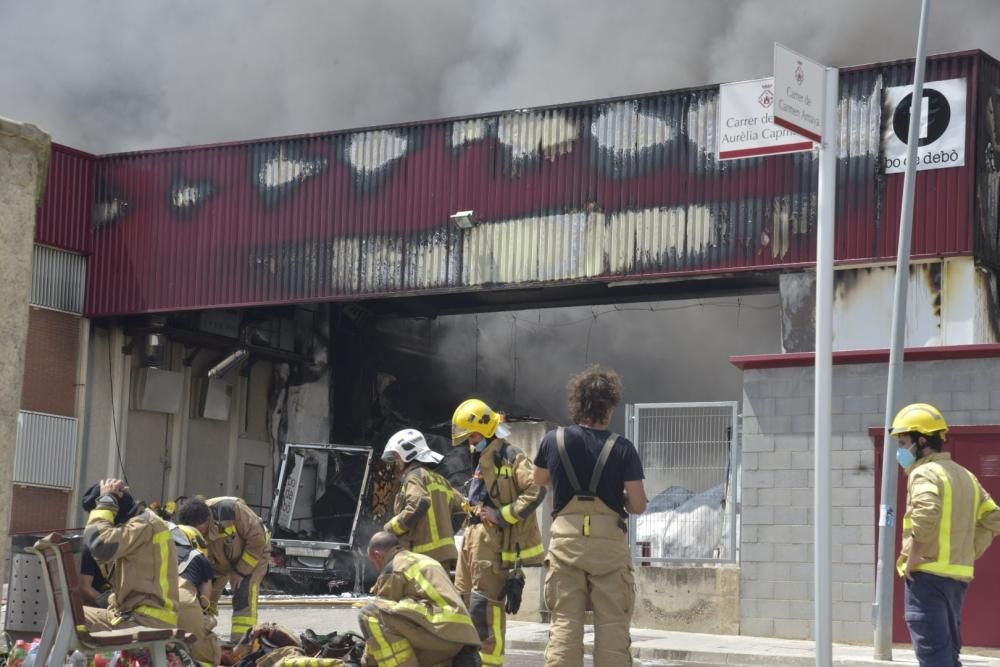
x: 597, y: 481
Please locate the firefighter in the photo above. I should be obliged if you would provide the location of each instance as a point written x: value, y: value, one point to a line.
x: 418, y: 618
x: 426, y: 501
x: 239, y: 548
x: 501, y: 533
x: 588, y: 548
x: 194, y: 591
x: 949, y: 523
x: 139, y: 545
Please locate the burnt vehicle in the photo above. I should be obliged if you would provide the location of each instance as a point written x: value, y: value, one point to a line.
x: 318, y: 532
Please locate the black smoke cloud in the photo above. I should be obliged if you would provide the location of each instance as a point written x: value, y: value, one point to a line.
x: 111, y: 76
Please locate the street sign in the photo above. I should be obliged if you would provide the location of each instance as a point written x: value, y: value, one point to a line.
x: 798, y: 93
x: 746, y: 122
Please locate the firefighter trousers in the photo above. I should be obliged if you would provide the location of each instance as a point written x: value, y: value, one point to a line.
x: 933, y: 611
x: 191, y: 618
x: 589, y: 558
x: 393, y: 641
x: 480, y: 580
x: 244, y: 599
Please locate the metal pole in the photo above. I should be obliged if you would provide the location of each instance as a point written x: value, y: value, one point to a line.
x: 884, y: 573
x: 827, y: 201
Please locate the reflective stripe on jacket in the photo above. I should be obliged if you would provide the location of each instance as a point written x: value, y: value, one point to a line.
x: 509, y: 478
x: 950, y: 514
x: 237, y: 538
x: 144, y: 579
x: 416, y: 587
x: 424, y: 508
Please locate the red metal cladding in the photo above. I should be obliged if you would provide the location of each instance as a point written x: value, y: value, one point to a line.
x: 626, y: 188
x: 63, y: 219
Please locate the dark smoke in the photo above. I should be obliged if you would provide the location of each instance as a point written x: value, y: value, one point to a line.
x: 110, y: 76
x: 519, y: 362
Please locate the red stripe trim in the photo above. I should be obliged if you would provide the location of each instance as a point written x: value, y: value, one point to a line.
x: 766, y: 150
x: 780, y: 122
x: 847, y: 357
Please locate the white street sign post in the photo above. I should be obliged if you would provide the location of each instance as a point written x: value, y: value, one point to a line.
x: 806, y: 102
x: 746, y: 122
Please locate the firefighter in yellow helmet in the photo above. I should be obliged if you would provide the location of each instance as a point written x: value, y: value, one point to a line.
x: 419, y: 618
x: 426, y: 501
x: 950, y: 521
x: 501, y: 533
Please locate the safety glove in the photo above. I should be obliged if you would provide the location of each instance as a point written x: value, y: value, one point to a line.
x: 513, y: 590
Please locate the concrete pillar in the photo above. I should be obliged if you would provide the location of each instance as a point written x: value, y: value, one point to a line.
x: 24, y: 160
x: 179, y: 439
x: 233, y: 481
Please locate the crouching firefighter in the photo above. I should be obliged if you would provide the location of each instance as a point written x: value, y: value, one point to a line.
x: 501, y: 533
x: 418, y: 618
x: 588, y: 550
x: 239, y: 548
x: 426, y: 501
x: 194, y: 592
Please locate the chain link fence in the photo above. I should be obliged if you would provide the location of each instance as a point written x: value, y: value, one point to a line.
x: 690, y: 455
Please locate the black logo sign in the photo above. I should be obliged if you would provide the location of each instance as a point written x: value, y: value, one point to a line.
x: 938, y: 113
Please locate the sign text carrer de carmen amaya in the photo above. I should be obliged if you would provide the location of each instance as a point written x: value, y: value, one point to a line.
x: 787, y: 109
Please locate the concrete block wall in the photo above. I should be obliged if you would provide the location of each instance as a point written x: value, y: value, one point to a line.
x: 777, y: 517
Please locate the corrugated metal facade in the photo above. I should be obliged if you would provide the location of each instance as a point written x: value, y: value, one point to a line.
x: 58, y: 279
x: 64, y: 217
x: 46, y: 450
x: 987, y: 214
x: 601, y: 191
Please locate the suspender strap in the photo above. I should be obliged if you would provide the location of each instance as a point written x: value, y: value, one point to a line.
x: 602, y: 460
x: 566, y: 463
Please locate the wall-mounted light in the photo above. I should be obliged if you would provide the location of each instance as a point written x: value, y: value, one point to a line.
x: 463, y: 220
x: 229, y: 363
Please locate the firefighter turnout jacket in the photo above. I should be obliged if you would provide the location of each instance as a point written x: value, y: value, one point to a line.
x: 237, y: 538
x: 144, y: 579
x: 950, y: 514
x: 508, y: 477
x: 424, y: 508
x: 416, y: 588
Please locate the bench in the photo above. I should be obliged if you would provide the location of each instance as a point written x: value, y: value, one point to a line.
x: 65, y: 629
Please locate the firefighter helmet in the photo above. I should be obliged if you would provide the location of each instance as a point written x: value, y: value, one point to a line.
x: 196, y: 539
x: 411, y: 445
x: 920, y: 418
x: 474, y: 416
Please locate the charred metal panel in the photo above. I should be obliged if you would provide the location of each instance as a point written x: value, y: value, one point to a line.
x: 862, y: 308
x: 591, y: 192
x: 987, y: 161
x: 63, y: 219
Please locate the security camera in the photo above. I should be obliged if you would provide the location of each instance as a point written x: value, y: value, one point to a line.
x: 229, y: 363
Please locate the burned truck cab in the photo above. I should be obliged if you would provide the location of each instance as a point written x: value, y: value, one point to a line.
x: 318, y: 534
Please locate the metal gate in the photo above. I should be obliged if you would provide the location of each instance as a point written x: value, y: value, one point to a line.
x: 690, y: 454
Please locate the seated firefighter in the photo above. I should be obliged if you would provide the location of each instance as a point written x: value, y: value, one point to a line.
x: 139, y: 546
x: 419, y: 617
x: 194, y: 591
x: 239, y: 548
x: 426, y: 501
x: 95, y: 581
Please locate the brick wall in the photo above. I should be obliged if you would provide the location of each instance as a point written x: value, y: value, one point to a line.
x: 36, y: 509
x: 777, y: 529
x: 50, y: 363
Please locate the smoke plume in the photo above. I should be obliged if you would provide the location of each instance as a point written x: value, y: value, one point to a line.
x: 110, y: 76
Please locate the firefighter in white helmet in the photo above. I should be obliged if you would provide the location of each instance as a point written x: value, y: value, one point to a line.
x: 501, y: 533
x: 426, y: 501
x: 950, y: 521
